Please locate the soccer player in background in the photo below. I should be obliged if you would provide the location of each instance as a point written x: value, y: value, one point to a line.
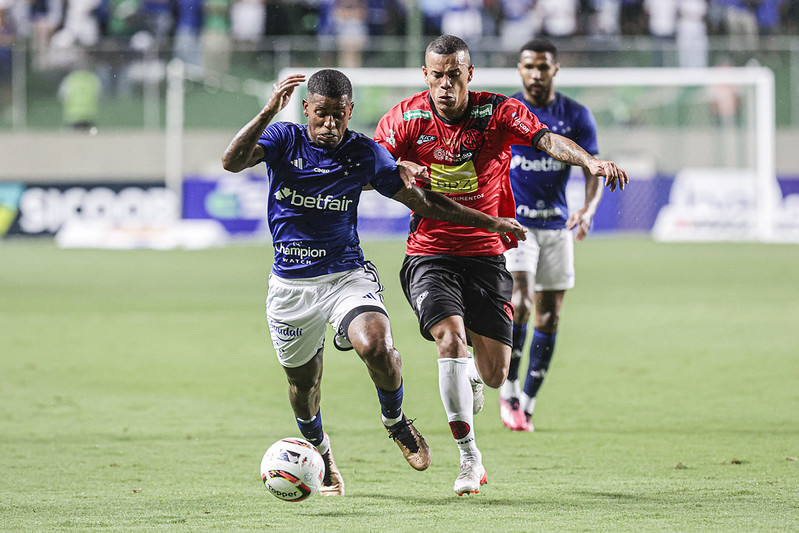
x: 543, y: 266
x: 454, y: 277
x: 316, y: 173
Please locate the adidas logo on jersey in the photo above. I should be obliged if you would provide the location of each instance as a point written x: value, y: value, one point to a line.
x: 297, y: 163
x: 328, y: 203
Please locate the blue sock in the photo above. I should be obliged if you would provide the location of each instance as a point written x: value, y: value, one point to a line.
x: 312, y: 429
x: 519, y: 336
x: 390, y: 402
x: 541, y: 348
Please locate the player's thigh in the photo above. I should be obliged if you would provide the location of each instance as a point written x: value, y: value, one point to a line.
x: 492, y: 358
x: 556, y: 261
x: 523, y: 292
x: 357, y: 293
x: 487, y: 297
x: 297, y: 323
x: 522, y: 263
x: 434, y: 286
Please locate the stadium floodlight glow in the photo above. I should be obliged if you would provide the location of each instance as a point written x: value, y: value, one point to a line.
x: 755, y: 81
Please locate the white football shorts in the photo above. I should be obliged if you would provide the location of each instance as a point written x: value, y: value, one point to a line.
x: 549, y: 255
x: 298, y: 310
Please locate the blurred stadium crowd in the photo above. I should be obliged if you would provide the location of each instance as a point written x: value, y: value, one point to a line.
x: 70, y: 53
x: 52, y: 28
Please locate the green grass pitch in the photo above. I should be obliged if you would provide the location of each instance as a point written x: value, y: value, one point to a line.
x: 138, y: 391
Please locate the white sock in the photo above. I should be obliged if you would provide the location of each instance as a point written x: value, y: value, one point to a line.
x: 510, y: 389
x: 391, y: 421
x: 324, y: 446
x: 471, y: 370
x: 527, y: 404
x: 456, y: 395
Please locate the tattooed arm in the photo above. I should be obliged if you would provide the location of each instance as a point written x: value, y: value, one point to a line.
x: 244, y: 150
x: 569, y: 152
x: 431, y: 204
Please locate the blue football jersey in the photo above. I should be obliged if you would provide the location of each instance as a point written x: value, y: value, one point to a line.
x: 538, y: 180
x: 313, y: 198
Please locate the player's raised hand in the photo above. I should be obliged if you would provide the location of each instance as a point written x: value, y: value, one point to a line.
x: 410, y: 172
x: 582, y: 221
x: 282, y: 91
x: 508, y: 226
x: 244, y: 151
x: 614, y: 175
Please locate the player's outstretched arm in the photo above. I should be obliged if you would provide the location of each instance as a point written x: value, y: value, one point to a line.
x: 410, y: 172
x: 244, y: 150
x: 434, y: 205
x: 569, y: 152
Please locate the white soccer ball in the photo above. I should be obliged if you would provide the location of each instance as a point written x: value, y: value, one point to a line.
x: 292, y: 469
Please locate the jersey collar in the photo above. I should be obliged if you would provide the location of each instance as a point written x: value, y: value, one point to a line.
x: 445, y: 120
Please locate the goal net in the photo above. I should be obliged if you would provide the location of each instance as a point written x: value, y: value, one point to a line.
x: 699, y: 145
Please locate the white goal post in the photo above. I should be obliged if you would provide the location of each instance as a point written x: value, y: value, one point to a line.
x: 756, y: 82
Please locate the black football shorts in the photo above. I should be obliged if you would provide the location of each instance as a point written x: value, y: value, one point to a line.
x: 476, y: 288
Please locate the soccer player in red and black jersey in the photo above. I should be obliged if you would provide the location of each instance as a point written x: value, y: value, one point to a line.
x: 453, y: 276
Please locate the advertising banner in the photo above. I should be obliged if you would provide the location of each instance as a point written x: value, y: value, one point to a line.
x: 694, y: 205
x: 44, y: 208
x: 722, y: 205
x: 238, y: 202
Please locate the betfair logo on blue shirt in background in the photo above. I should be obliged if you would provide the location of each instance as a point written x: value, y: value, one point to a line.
x: 544, y: 164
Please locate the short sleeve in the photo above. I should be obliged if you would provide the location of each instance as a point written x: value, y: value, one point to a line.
x: 520, y: 123
x: 389, y: 135
x: 387, y: 180
x: 275, y: 140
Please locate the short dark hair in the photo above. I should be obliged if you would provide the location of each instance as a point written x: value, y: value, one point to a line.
x: 330, y: 83
x: 540, y: 44
x: 446, y: 45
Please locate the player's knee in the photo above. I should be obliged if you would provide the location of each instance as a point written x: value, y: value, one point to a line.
x: 495, y: 376
x: 521, y: 314
x: 547, y: 322
x: 451, y: 344
x: 376, y: 351
x: 522, y: 309
x: 494, y: 381
x: 493, y: 369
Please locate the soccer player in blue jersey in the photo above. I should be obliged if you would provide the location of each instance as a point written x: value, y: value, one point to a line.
x: 543, y: 266
x: 316, y: 173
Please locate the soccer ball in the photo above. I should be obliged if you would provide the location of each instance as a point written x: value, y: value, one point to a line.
x: 292, y: 469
